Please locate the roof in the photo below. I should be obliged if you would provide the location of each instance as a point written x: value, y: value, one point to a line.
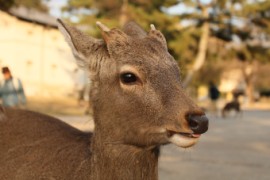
x: 32, y: 15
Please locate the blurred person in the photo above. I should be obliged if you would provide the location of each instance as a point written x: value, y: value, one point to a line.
x: 11, y: 90
x: 213, y: 94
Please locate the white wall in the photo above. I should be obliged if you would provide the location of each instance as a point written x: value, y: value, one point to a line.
x: 39, y: 56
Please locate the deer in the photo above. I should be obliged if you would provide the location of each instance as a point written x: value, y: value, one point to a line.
x: 139, y: 105
x: 233, y: 105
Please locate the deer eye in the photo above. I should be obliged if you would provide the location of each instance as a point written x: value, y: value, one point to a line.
x: 128, y: 78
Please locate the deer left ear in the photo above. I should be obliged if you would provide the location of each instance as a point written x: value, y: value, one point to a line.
x: 157, y: 35
x: 87, y: 50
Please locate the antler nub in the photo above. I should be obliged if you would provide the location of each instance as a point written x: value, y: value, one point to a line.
x: 102, y: 27
x: 152, y: 27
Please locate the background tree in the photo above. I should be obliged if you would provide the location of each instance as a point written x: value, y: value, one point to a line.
x: 37, y: 4
x: 222, y: 24
x: 255, y: 40
x: 210, y: 38
x: 118, y: 12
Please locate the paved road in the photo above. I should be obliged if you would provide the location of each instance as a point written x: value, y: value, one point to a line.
x: 233, y: 149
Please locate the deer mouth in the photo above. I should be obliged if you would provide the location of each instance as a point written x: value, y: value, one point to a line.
x: 183, y: 139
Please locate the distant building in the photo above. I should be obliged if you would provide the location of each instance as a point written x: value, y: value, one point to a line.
x: 36, y: 52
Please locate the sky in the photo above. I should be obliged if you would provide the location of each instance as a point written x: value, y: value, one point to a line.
x: 55, y: 7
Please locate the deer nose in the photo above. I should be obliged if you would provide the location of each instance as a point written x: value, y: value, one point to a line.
x: 198, y: 123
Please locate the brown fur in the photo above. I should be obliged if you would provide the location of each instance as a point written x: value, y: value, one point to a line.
x: 128, y: 118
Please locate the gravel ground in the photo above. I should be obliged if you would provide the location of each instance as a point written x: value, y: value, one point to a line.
x: 235, y: 148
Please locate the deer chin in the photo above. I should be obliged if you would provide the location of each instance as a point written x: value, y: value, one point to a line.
x: 184, y: 140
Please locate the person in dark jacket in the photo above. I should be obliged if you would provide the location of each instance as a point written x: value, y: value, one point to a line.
x: 213, y: 93
x: 11, y: 90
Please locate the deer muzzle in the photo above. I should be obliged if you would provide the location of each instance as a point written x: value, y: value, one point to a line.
x: 198, y: 124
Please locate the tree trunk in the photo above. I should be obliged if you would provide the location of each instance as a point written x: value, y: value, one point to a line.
x: 123, y: 13
x: 250, y: 91
x: 203, y: 44
x: 250, y: 75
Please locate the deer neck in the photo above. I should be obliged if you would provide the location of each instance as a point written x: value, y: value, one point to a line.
x: 121, y: 161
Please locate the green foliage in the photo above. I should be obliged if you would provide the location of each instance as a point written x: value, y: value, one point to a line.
x: 77, y: 4
x: 144, y: 12
x: 185, y: 52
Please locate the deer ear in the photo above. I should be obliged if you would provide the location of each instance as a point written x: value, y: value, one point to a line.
x: 116, y: 40
x: 87, y: 50
x: 157, y: 35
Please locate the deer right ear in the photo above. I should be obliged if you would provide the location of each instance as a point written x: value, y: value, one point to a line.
x: 87, y: 50
x: 158, y: 36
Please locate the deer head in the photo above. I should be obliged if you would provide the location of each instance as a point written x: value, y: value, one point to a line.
x: 136, y: 93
